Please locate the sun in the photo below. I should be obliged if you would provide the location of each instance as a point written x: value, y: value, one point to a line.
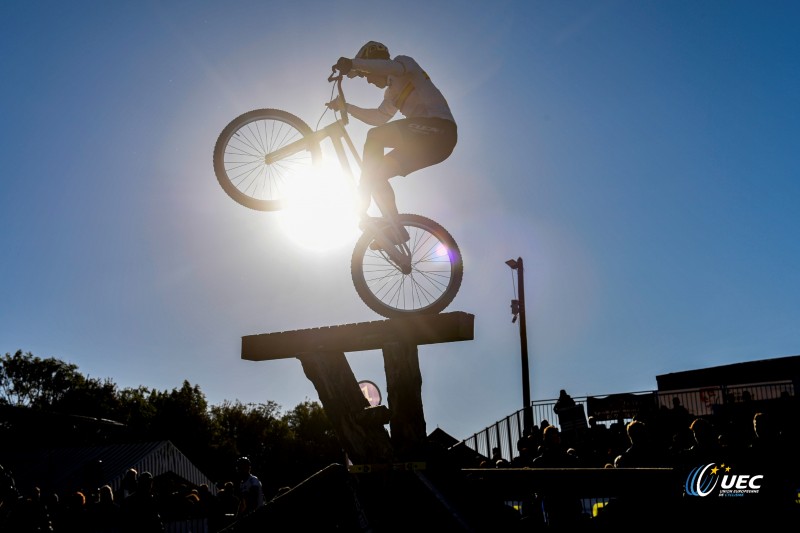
x: 320, y: 212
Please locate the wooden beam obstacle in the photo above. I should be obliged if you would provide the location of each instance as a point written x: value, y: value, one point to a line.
x: 360, y: 427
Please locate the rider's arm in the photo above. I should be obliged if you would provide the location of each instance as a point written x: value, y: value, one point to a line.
x: 373, y: 117
x: 382, y: 67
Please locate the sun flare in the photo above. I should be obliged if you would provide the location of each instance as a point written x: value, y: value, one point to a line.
x: 320, y: 212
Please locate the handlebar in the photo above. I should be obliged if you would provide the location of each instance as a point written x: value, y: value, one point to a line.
x: 338, y: 79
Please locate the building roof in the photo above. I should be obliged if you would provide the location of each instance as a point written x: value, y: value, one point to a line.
x: 750, y: 372
x: 64, y: 470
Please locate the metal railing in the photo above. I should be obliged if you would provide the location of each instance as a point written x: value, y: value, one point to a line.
x: 721, y: 403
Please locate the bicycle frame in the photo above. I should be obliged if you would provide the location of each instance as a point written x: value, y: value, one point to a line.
x: 336, y: 131
x: 338, y: 135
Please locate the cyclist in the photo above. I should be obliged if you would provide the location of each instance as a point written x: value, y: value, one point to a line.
x: 425, y: 137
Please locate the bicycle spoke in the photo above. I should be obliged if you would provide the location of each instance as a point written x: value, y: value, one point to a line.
x: 244, y: 158
x: 429, y: 279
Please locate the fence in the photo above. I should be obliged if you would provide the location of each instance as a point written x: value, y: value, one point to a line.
x: 721, y: 404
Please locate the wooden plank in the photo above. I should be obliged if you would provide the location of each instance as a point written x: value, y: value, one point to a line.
x: 423, y: 329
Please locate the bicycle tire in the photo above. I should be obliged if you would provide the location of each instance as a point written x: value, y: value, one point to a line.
x: 434, y: 281
x: 239, y: 157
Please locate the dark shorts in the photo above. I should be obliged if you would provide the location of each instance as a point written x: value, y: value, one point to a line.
x: 425, y: 142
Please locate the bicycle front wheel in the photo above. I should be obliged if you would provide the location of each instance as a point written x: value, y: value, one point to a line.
x: 435, y: 277
x: 242, y: 160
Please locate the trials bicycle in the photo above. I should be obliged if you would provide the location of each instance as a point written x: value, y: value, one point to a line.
x: 259, y: 153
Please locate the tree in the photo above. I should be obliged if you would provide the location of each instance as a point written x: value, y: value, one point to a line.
x: 315, y: 442
x: 182, y: 416
x: 91, y: 397
x: 284, y: 448
x: 136, y: 411
x: 29, y: 381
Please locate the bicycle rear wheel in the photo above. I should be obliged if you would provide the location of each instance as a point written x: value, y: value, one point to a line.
x: 436, y: 271
x: 240, y: 157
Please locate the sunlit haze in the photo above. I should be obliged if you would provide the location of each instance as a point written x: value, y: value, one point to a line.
x: 321, y: 210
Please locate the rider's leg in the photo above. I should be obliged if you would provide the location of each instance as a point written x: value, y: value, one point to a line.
x: 382, y: 190
x: 378, y: 169
x: 384, y: 197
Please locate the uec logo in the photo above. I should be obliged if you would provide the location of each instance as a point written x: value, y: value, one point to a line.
x: 703, y: 480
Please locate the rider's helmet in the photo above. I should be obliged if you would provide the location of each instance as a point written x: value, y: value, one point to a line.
x: 373, y: 50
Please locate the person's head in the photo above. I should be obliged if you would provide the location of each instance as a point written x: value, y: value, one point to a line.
x: 374, y: 50
x: 762, y: 426
x: 637, y: 431
x: 550, y: 436
x: 243, y: 465
x: 145, y: 482
x: 131, y: 475
x: 703, y: 431
x: 106, y: 494
x: 77, y: 500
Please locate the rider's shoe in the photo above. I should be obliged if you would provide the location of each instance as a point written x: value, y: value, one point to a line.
x: 397, y: 234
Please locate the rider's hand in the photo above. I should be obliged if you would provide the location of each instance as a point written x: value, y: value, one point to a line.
x: 344, y: 65
x: 335, y: 104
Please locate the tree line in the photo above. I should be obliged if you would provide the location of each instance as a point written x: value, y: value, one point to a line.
x: 49, y: 402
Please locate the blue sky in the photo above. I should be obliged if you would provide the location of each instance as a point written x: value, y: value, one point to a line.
x: 640, y: 156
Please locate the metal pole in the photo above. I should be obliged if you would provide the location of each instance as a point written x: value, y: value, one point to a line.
x: 523, y: 341
x: 518, y: 309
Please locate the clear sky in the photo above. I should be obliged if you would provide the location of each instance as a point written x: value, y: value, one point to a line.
x: 642, y: 157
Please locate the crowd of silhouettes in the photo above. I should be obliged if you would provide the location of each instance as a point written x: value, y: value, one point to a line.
x: 662, y: 438
x: 754, y: 441
x: 139, y: 505
x: 747, y: 440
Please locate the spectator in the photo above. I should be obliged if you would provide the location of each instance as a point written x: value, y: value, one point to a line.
x: 226, y: 507
x: 496, y: 456
x: 563, y: 402
x: 250, y: 491
x: 75, y: 517
x: 642, y: 452
x: 706, y: 447
x: 527, y: 448
x: 140, y: 510
x: 596, y: 445
x: 104, y: 515
x: 562, y: 512
x: 551, y: 453
x: 128, y: 485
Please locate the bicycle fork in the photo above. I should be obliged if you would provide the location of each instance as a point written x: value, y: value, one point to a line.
x: 398, y: 255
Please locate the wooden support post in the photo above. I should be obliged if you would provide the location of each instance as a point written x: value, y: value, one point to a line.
x: 365, y: 440
x: 404, y: 396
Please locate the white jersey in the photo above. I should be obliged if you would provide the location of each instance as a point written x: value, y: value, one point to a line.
x: 409, y: 90
x: 253, y: 492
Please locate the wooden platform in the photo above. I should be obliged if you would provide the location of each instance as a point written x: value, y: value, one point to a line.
x: 360, y: 429
x: 425, y: 329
